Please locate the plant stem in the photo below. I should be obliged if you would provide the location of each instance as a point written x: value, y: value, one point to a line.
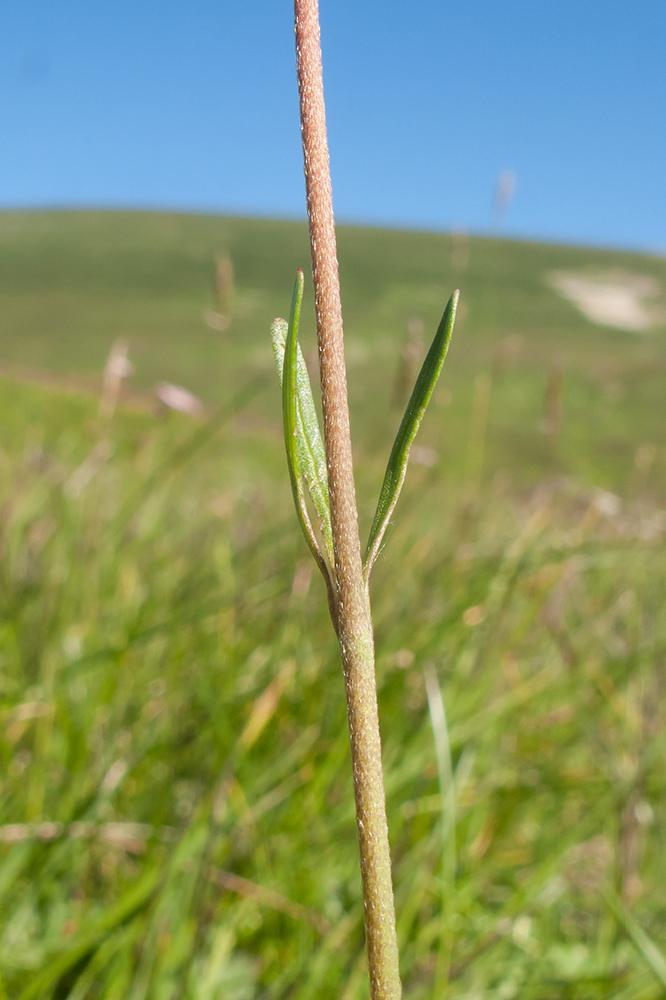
x: 352, y: 621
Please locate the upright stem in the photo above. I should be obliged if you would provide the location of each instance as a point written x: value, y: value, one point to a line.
x: 353, y: 621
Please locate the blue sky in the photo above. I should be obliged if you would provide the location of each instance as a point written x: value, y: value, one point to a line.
x: 194, y: 107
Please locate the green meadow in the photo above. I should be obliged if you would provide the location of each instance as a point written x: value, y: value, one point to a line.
x: 176, y: 809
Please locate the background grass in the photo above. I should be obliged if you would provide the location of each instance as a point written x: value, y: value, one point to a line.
x: 176, y: 805
x: 71, y: 282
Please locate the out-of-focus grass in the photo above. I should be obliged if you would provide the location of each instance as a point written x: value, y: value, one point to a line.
x: 176, y: 805
x: 72, y: 282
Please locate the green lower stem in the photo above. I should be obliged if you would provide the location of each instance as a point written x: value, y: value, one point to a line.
x: 379, y: 908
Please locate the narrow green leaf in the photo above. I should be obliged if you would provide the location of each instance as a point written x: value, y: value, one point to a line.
x: 447, y: 789
x: 302, y: 445
x: 643, y: 942
x: 397, y: 463
x: 101, y: 958
x: 85, y: 941
x: 447, y: 786
x: 308, y: 445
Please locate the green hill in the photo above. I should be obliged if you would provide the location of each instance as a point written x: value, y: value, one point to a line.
x: 72, y: 282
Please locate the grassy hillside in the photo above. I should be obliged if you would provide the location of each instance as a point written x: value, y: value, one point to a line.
x: 71, y: 282
x: 176, y: 811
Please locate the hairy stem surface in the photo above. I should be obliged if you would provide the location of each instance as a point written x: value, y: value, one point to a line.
x: 353, y: 621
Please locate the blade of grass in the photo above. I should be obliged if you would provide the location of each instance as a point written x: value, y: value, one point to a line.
x: 444, y: 766
x: 642, y: 941
x: 396, y: 469
x: 133, y: 901
x: 448, y: 795
x: 102, y: 956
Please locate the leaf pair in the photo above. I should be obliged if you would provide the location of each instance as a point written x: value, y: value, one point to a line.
x: 305, y: 450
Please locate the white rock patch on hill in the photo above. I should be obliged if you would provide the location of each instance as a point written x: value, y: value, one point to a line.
x: 626, y: 301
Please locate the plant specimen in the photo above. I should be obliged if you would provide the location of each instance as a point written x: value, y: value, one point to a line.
x: 322, y: 471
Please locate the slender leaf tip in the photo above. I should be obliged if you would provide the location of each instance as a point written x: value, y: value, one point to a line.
x: 396, y: 468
